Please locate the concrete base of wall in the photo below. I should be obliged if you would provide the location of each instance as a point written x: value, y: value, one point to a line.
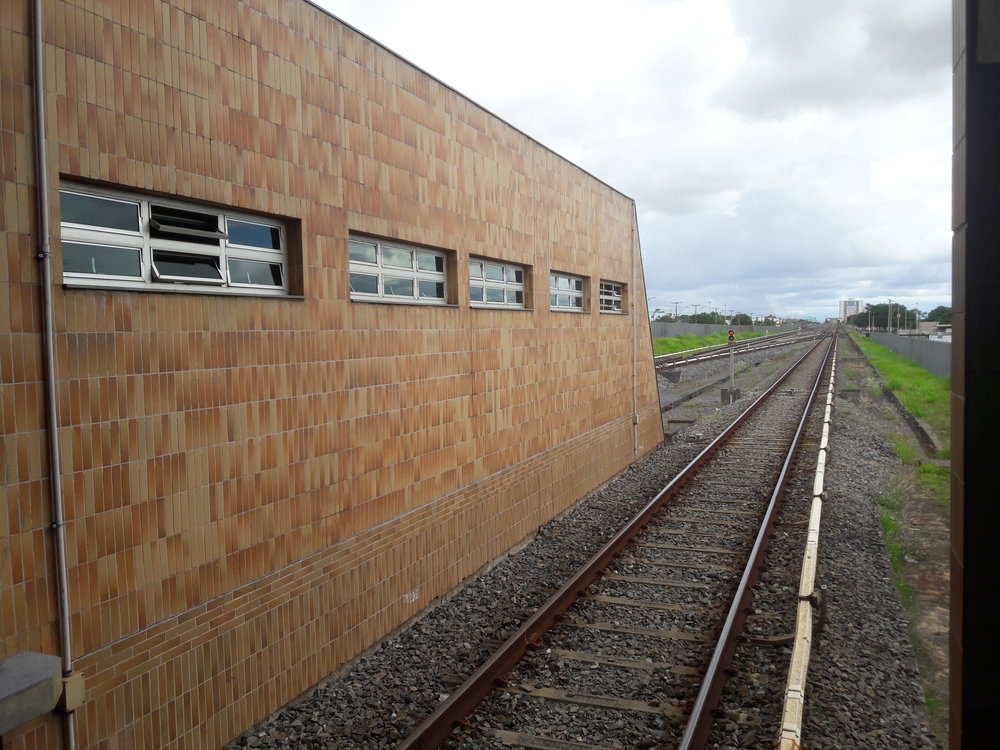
x: 30, y: 686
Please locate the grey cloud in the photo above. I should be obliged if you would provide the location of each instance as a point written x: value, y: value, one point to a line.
x: 845, y: 54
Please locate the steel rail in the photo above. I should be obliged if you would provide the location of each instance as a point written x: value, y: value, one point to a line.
x: 707, y: 352
x: 700, y: 721
x: 439, y: 724
x: 811, y: 597
x: 755, y: 340
x: 781, y: 337
x: 680, y: 359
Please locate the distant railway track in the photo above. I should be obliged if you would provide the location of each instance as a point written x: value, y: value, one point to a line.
x: 634, y: 646
x: 666, y: 362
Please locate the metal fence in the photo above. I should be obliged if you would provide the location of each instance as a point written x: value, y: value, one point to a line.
x: 933, y: 356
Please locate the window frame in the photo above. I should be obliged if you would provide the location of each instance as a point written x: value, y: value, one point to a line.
x: 608, y: 297
x: 381, y: 270
x: 159, y: 242
x: 504, y: 284
x: 556, y: 291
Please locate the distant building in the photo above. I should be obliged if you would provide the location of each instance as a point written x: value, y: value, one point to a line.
x: 933, y: 329
x: 849, y: 307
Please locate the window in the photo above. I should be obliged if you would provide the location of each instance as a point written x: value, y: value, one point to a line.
x: 566, y: 292
x: 383, y: 271
x: 495, y: 284
x: 111, y: 237
x: 612, y: 297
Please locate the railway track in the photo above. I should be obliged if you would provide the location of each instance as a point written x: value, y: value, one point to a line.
x: 677, y: 360
x: 632, y: 650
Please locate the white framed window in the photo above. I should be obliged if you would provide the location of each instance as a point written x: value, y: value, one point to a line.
x: 566, y: 292
x: 387, y: 271
x: 493, y: 283
x: 612, y: 297
x: 122, y: 239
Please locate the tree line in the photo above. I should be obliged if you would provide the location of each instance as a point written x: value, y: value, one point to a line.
x: 877, y: 317
x: 737, y: 319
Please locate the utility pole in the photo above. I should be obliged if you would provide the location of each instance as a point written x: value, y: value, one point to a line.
x: 888, y: 318
x: 649, y: 313
x: 696, y: 310
x: 675, y: 303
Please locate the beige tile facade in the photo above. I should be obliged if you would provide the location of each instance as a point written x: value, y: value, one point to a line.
x: 257, y: 489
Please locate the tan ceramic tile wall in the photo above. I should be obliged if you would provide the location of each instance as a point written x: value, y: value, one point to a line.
x: 256, y: 489
x: 26, y: 591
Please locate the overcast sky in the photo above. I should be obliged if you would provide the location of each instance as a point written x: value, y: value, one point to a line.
x: 783, y: 154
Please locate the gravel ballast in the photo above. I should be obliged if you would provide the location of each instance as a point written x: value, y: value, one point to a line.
x: 865, y: 693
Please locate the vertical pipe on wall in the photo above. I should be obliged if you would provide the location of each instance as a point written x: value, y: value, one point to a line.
x: 635, y: 337
x: 48, y: 351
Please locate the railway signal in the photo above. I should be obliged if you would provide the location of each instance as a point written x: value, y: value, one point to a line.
x: 732, y: 367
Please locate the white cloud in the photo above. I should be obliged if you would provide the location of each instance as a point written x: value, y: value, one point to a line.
x: 803, y: 149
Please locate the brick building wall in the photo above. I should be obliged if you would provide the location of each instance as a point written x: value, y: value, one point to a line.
x: 259, y: 487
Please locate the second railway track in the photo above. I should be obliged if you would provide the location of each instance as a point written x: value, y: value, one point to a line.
x: 678, y: 360
x: 627, y: 642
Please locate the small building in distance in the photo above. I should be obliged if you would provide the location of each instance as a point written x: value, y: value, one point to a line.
x: 934, y: 330
x: 328, y: 338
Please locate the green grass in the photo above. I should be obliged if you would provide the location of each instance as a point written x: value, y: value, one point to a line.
x: 890, y: 504
x: 928, y: 398
x: 936, y: 480
x: 683, y: 343
x: 904, y: 449
x: 938, y: 710
x: 925, y: 396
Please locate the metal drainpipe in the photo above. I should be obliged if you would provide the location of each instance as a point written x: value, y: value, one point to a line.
x: 48, y: 347
x: 635, y: 336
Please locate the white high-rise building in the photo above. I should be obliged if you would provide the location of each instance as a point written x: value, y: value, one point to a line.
x: 849, y: 307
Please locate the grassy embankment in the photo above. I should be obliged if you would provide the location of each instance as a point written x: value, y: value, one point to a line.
x: 683, y: 343
x: 927, y: 397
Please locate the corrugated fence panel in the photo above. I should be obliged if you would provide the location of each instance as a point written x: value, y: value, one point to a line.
x: 933, y: 356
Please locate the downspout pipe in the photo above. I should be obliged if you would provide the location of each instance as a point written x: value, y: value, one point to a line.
x: 635, y: 337
x: 48, y: 353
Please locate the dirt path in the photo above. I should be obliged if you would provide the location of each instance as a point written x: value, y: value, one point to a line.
x: 926, y: 537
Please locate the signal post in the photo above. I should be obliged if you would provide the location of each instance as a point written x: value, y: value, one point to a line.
x: 730, y: 394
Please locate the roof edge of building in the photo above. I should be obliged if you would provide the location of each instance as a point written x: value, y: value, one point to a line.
x: 448, y: 86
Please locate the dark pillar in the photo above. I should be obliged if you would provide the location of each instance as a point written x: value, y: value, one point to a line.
x: 975, y: 371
